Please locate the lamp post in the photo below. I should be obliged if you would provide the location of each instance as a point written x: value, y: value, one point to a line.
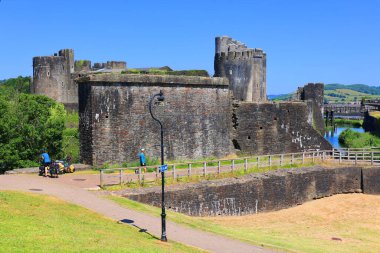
x: 160, y: 97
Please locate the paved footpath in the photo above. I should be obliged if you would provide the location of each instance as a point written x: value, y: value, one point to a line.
x: 108, y: 208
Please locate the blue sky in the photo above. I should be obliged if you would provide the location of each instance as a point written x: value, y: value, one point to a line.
x: 305, y: 41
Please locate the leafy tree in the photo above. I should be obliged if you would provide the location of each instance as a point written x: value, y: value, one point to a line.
x: 29, y: 123
x: 13, y: 86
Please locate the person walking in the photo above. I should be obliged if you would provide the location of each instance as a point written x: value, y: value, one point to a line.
x: 142, y: 159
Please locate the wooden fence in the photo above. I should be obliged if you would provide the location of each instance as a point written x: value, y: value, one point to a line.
x: 204, y: 168
x: 368, y: 156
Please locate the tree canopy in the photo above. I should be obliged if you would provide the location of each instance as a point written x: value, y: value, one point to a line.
x: 28, y: 124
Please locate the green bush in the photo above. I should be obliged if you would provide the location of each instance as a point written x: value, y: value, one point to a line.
x: 28, y: 124
x: 70, y: 145
x: 353, y: 139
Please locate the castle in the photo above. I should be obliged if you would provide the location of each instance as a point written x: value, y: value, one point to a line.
x: 202, y: 116
x: 54, y: 75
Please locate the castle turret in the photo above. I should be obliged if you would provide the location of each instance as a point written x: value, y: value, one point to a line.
x: 52, y: 77
x: 244, y: 67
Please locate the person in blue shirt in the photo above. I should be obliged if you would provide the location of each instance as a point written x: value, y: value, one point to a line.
x: 46, y: 161
x: 142, y: 157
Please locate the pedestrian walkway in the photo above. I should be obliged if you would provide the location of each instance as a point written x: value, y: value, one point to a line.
x: 77, y: 195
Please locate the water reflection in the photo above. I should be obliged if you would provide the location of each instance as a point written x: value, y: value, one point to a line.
x: 332, y: 135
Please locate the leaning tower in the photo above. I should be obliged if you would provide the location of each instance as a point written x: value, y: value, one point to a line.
x: 244, y: 67
x: 52, y: 77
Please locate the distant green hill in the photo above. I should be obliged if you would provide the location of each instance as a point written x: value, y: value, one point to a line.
x: 340, y: 93
x: 363, y: 88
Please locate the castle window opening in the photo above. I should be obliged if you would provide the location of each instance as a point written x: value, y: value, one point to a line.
x: 261, y: 127
x: 275, y: 118
x: 249, y: 137
x: 48, y: 73
x: 107, y: 116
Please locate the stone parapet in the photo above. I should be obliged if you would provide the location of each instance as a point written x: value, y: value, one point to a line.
x: 152, y: 79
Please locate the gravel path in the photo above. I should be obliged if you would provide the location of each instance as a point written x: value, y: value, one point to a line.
x: 67, y: 190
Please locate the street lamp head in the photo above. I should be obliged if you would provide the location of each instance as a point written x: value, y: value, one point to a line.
x: 161, y: 97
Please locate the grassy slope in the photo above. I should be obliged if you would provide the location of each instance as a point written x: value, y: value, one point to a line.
x: 306, y: 228
x: 35, y: 223
x: 346, y: 95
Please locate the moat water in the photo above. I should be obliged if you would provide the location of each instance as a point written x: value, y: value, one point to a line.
x: 333, y: 134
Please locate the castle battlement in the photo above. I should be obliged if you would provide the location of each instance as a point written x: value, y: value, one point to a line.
x: 244, y: 67
x: 249, y: 53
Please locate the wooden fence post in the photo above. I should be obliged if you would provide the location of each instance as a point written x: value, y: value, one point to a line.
x: 174, y: 173
x: 258, y: 162
x: 204, y: 169
x: 232, y: 165
x: 157, y: 172
x: 340, y: 156
x: 281, y: 159
x: 270, y: 161
x: 356, y: 158
x: 372, y: 158
x: 189, y: 170
x: 101, y: 178
x: 292, y: 159
x: 219, y: 167
x: 313, y: 157
x: 140, y: 175
x: 245, y: 164
x: 120, y: 177
x: 303, y: 157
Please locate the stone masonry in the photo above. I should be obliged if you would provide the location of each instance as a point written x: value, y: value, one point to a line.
x: 115, y: 121
x: 313, y: 94
x: 202, y: 116
x: 274, y: 128
x: 244, y: 67
x: 54, y: 76
x: 258, y: 192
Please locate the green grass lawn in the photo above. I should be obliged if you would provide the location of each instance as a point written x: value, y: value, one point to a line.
x: 311, y: 227
x: 39, y: 223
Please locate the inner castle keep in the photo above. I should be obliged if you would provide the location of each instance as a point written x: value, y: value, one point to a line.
x: 202, y: 116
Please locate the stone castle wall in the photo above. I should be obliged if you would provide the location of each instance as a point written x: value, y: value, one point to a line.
x: 244, y: 67
x: 274, y: 128
x: 115, y: 121
x: 263, y: 192
x: 313, y: 93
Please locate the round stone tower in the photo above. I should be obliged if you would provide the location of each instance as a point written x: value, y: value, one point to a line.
x: 244, y: 67
x: 52, y: 77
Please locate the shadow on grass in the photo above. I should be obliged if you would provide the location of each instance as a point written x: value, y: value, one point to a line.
x: 141, y: 230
